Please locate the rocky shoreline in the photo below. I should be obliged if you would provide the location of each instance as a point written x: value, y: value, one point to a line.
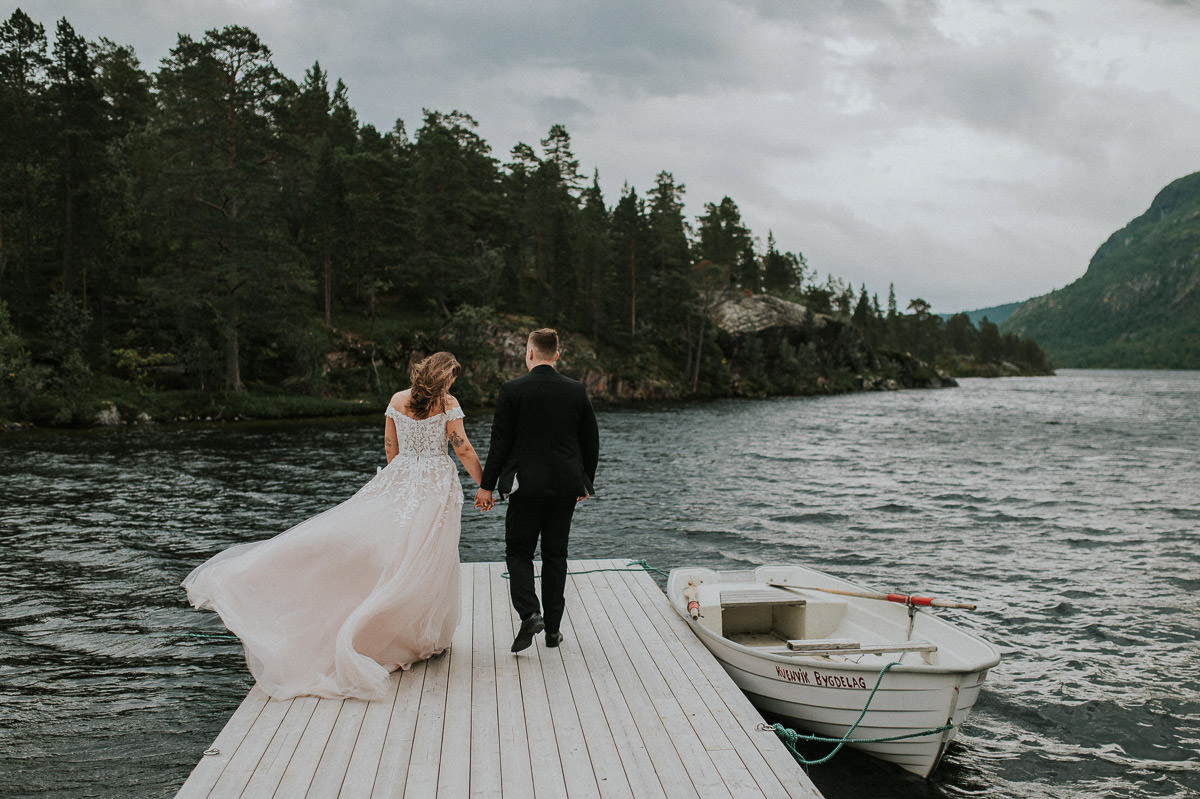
x: 767, y: 347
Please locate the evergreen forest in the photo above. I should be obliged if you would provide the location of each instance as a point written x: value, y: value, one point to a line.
x: 214, y: 238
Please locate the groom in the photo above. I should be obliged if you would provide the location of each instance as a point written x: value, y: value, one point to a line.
x: 543, y: 455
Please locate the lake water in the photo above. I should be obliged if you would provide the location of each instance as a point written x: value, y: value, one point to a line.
x: 1068, y: 508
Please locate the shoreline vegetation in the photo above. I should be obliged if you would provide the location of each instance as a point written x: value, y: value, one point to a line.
x: 214, y: 240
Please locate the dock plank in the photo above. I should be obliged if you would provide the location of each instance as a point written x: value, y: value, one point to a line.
x: 250, y: 751
x: 279, y: 753
x: 773, y: 764
x: 368, y: 747
x: 402, y: 727
x: 573, y: 727
x: 658, y: 641
x: 299, y: 773
x: 719, y: 731
x: 331, y: 769
x: 655, y: 730
x: 485, y: 724
x: 454, y: 776
x: 516, y: 770
x: 630, y: 705
x: 540, y: 733
x: 425, y: 763
x: 206, y: 773
x: 615, y: 706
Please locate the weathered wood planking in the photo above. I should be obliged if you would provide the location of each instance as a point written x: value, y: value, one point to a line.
x: 631, y: 705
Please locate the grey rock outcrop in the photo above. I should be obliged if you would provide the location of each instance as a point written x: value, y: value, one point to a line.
x: 759, y: 312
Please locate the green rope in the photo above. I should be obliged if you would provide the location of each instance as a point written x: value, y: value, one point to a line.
x: 193, y: 635
x: 645, y: 567
x: 782, y: 731
x: 790, y: 736
x: 641, y: 564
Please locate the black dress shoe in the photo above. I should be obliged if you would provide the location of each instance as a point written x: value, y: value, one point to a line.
x: 529, y: 628
x: 553, y: 639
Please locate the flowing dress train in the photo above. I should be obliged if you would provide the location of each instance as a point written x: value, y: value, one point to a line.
x: 335, y: 604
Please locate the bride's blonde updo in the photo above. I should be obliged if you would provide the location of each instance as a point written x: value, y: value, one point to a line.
x: 431, y: 380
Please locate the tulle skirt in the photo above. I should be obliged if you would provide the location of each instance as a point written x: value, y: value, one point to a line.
x: 335, y: 604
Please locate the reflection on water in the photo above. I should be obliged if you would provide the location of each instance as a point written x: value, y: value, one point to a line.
x: 1068, y: 508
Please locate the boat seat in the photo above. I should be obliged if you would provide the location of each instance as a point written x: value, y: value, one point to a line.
x: 758, y: 596
x: 841, y: 646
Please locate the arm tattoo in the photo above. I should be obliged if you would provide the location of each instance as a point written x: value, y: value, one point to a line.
x: 456, y: 440
x: 389, y: 442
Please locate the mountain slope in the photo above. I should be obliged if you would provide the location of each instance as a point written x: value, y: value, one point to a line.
x: 1138, y: 304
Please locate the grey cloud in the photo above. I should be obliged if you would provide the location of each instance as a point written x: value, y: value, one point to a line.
x: 970, y: 152
x: 566, y: 110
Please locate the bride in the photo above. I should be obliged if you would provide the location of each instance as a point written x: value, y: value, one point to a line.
x: 333, y: 605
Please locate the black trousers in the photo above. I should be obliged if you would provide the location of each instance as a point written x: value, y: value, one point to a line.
x: 528, y: 519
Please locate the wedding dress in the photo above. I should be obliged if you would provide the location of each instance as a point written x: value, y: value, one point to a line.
x: 333, y: 605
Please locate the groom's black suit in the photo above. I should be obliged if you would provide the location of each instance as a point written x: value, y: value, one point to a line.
x: 544, y: 449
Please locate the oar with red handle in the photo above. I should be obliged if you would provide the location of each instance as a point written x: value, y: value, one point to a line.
x: 903, y: 599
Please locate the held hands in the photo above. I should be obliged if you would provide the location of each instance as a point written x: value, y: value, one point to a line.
x: 484, y: 500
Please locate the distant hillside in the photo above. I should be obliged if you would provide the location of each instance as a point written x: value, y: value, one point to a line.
x: 995, y: 314
x: 1138, y: 304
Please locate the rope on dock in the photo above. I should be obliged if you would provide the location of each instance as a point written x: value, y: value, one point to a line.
x: 641, y: 564
x: 790, y: 736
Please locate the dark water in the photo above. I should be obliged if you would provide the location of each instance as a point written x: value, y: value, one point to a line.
x: 1067, y: 507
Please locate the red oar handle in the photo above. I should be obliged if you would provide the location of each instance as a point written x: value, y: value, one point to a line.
x: 905, y: 599
x: 927, y: 602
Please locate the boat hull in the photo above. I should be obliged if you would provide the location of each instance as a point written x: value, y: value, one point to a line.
x: 826, y: 696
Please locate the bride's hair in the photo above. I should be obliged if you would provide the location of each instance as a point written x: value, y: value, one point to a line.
x: 431, y: 379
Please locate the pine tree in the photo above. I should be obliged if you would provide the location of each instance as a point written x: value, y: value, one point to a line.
x: 631, y: 241
x: 76, y: 105
x: 668, y: 273
x: 228, y: 254
x: 782, y: 273
x: 598, y: 280
x: 725, y: 241
x: 457, y: 213
x: 382, y: 237
x: 23, y: 137
x: 330, y: 222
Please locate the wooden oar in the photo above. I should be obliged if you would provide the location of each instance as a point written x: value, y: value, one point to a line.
x: 903, y: 599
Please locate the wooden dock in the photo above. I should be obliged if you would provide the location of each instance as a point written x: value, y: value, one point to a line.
x: 630, y: 705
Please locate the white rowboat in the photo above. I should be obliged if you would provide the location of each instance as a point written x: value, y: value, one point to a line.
x: 811, y: 657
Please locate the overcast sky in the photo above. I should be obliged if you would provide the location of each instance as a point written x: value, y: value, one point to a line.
x: 971, y: 152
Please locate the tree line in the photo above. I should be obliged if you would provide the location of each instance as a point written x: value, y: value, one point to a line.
x: 215, y: 220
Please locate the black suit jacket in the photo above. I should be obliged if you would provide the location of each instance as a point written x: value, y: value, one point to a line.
x: 544, y: 433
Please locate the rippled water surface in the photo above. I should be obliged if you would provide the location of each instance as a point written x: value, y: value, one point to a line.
x: 1068, y: 508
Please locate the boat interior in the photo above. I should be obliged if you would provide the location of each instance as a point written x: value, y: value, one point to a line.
x: 806, y: 624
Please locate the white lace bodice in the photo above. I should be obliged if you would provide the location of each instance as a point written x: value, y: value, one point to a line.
x: 416, y: 437
x: 422, y: 467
